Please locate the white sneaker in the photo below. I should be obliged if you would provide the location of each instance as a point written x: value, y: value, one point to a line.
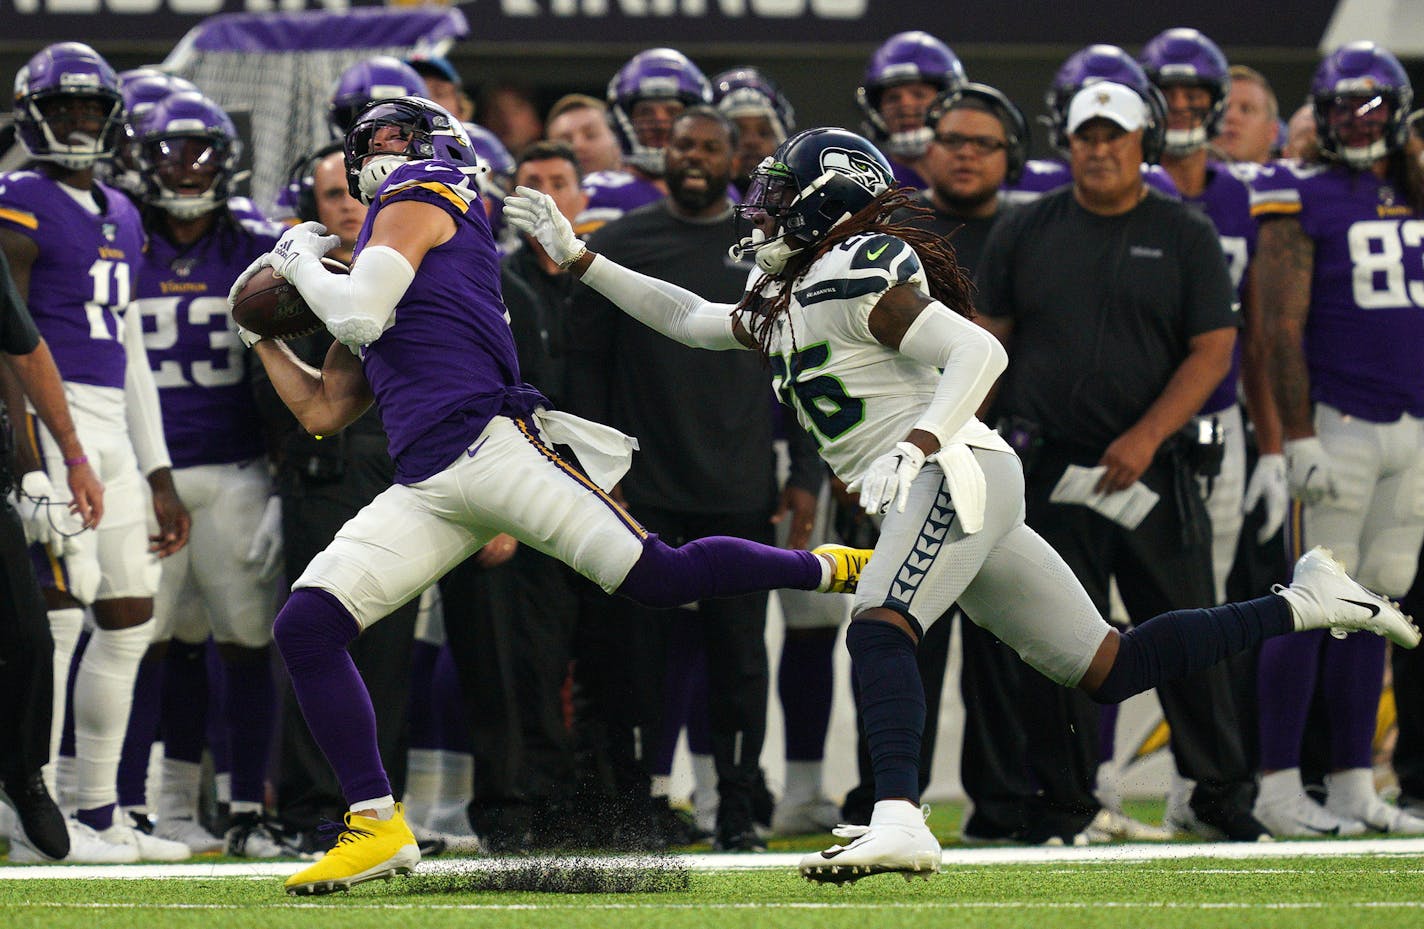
x: 1115, y: 824
x: 1323, y: 596
x: 1351, y: 794
x: 897, y: 840
x: 146, y: 847
x: 807, y: 818
x: 1298, y: 816
x: 85, y: 847
x: 191, y: 833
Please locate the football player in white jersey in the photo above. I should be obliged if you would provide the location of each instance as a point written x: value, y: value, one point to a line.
x: 864, y: 324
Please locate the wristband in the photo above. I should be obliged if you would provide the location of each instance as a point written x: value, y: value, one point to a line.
x: 76, y: 462
x: 569, y: 262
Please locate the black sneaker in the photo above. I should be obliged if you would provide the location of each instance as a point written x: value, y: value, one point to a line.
x: 39, y: 817
x: 1236, y: 824
x: 747, y: 840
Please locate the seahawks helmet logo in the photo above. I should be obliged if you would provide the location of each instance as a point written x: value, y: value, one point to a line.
x: 857, y: 166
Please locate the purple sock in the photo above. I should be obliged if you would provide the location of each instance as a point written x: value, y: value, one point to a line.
x: 805, y: 681
x: 1285, y: 683
x: 684, y: 654
x: 452, y: 726
x: 312, y: 631
x: 717, y: 566
x: 216, y: 730
x: 140, y: 734
x: 1107, y: 732
x: 250, y: 713
x: 183, y: 721
x: 420, y: 710
x: 1353, y: 676
x: 99, y: 818
x: 699, y: 717
x: 66, y: 738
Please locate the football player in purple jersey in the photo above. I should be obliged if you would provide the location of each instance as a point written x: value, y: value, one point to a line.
x: 760, y: 111
x: 221, y: 584
x: 904, y: 76
x: 423, y: 331
x: 75, y: 245
x: 643, y: 99
x: 1341, y: 284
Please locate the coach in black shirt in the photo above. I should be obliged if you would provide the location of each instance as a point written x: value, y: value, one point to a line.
x: 1116, y: 307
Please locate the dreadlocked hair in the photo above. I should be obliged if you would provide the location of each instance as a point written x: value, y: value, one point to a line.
x: 947, y: 281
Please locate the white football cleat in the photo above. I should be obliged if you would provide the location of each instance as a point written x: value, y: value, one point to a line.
x: 896, y: 841
x: 189, y: 832
x: 85, y: 847
x: 1322, y: 596
x: 1351, y: 793
x: 146, y: 847
x: 1297, y: 817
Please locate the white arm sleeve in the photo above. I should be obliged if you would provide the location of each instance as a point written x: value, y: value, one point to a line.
x: 676, y: 313
x: 141, y: 408
x: 972, y: 360
x: 359, y: 306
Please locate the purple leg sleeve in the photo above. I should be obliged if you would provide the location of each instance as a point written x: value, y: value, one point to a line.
x: 216, y: 730
x: 452, y: 726
x: 1353, y: 676
x: 717, y: 566
x: 312, y: 631
x: 250, y: 714
x: 141, y: 732
x: 686, y: 661
x: 1107, y: 732
x: 805, y: 681
x: 185, y: 701
x: 420, y: 712
x: 1285, y: 684
x: 66, y: 739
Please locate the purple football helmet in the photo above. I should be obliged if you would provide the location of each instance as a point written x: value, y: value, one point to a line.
x: 1088, y: 66
x: 905, y: 58
x: 62, y: 76
x: 496, y: 157
x: 429, y: 129
x: 184, y: 135
x: 654, y: 74
x: 748, y: 92
x: 1185, y: 57
x: 379, y: 78
x: 1352, y: 83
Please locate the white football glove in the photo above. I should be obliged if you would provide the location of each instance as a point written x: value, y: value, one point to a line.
x: 258, y: 263
x: 536, y: 215
x: 266, y: 547
x: 888, y: 479
x: 32, y: 502
x: 1268, y: 487
x: 298, y: 241
x: 1308, y: 470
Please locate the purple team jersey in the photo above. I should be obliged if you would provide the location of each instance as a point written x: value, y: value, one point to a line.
x: 906, y: 176
x: 1226, y: 202
x: 1042, y: 175
x: 209, y: 416
x: 447, y: 365
x: 1364, y: 337
x: 610, y: 195
x: 84, y: 274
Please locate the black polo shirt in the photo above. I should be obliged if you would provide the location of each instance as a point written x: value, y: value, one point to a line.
x: 966, y: 234
x: 1103, y: 309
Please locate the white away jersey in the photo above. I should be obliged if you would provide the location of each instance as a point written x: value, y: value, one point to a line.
x: 856, y: 397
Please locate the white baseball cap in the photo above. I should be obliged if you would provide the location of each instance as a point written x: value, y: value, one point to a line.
x: 1107, y: 100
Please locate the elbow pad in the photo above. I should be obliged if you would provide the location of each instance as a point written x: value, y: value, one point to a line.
x: 357, y: 307
x: 971, y: 359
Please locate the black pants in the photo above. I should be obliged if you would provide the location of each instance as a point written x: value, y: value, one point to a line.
x: 510, y: 629
x: 307, y: 789
x: 26, y: 657
x: 1160, y: 566
x: 1409, y: 700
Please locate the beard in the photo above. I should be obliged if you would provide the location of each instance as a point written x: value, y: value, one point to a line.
x: 693, y: 199
x: 965, y: 203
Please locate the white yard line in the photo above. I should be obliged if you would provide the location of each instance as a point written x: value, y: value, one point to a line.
x: 956, y: 857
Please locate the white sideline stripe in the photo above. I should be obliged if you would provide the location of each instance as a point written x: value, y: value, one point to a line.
x: 1091, y: 855
x: 935, y: 905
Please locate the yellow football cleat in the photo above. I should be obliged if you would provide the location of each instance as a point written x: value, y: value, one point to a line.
x: 848, y: 563
x: 368, y: 849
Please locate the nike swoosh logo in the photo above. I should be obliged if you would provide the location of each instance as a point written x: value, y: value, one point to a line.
x: 470, y: 452
x: 1374, y: 610
x: 875, y: 253
x: 833, y: 852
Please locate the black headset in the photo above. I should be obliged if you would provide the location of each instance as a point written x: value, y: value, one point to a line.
x: 1001, y: 107
x: 302, y: 177
x: 1154, y: 134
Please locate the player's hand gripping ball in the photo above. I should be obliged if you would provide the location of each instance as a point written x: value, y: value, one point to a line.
x: 271, y: 306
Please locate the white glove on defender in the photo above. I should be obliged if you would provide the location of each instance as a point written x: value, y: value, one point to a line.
x: 1308, y: 468
x: 298, y: 241
x: 1269, y: 487
x: 888, y: 479
x: 536, y: 215
x: 266, y: 547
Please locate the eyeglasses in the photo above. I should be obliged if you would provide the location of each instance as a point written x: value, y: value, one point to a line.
x: 979, y: 144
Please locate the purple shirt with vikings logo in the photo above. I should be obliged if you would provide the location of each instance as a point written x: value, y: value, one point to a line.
x: 209, y: 416
x: 1042, y: 175
x: 1226, y: 202
x: 84, y: 274
x: 1364, y: 337
x: 447, y: 365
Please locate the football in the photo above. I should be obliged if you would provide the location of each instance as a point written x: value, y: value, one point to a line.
x: 273, y: 308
